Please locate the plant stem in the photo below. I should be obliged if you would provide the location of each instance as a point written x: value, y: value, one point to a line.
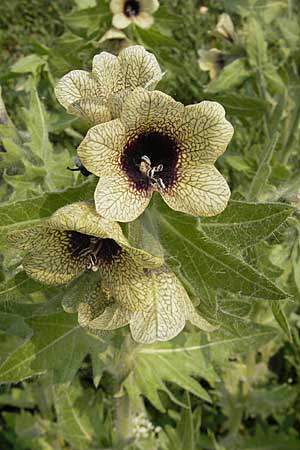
x: 122, y: 405
x: 123, y: 416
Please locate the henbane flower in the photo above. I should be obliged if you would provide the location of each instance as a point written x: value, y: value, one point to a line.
x: 138, y: 12
x: 138, y: 288
x: 225, y: 27
x: 161, y: 145
x: 98, y: 95
x: 161, y: 316
x: 211, y: 61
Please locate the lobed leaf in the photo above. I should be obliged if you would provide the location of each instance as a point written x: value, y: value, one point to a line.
x: 58, y: 343
x: 204, y: 261
x: 243, y: 224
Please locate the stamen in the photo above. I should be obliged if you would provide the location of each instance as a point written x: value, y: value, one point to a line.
x: 93, y: 262
x: 148, y: 171
x: 146, y: 159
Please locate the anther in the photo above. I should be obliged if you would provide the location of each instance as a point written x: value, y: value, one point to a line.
x: 146, y: 169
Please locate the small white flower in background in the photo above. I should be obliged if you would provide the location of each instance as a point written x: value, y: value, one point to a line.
x: 143, y: 428
x: 225, y: 27
x: 203, y: 10
x: 138, y: 12
x: 211, y: 61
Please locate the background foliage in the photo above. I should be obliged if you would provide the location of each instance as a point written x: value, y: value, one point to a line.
x: 238, y: 387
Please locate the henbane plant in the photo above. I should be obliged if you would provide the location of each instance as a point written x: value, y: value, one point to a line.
x: 179, y: 242
x: 156, y: 144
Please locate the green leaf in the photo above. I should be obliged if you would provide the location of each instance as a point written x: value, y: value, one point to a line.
x: 30, y: 63
x: 58, y: 343
x: 14, y: 325
x: 195, y: 355
x: 73, y: 421
x: 203, y: 260
x: 263, y: 172
x: 243, y: 224
x: 268, y: 438
x: 89, y: 18
x: 26, y: 213
x: 152, y: 38
x: 186, y: 426
x: 274, y: 81
x: 281, y: 319
x: 230, y: 77
x: 265, y: 402
x: 255, y: 44
x: 36, y: 123
x: 19, y: 398
x: 13, y: 154
x: 239, y: 164
x: 240, y: 105
x: 18, y: 287
x: 158, y: 363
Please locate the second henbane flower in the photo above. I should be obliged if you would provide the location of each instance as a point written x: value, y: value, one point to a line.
x: 161, y: 145
x: 98, y: 95
x: 132, y: 287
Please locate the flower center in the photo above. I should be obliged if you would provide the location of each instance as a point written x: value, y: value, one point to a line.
x: 95, y: 250
x: 131, y: 8
x: 220, y: 61
x: 150, y: 161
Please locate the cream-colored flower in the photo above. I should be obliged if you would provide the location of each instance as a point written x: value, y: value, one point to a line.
x: 138, y: 12
x: 161, y: 145
x: 225, y: 27
x: 75, y: 239
x: 203, y: 10
x: 211, y: 61
x: 134, y: 287
x: 159, y: 317
x: 98, y: 96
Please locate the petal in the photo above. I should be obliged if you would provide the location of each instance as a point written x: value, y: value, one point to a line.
x: 106, y: 70
x: 143, y: 20
x: 116, y: 6
x: 75, y: 86
x: 112, y: 34
x: 211, y: 60
x: 164, y: 314
x: 101, y: 148
x: 94, y: 304
x: 225, y: 27
x: 120, y: 21
x: 199, y: 191
x: 53, y: 263
x: 116, y: 102
x: 154, y: 110
x: 112, y: 318
x: 149, y: 6
x: 92, y: 109
x: 127, y: 282
x: 138, y: 67
x: 117, y: 200
x: 194, y: 317
x: 204, y: 133
x: 28, y: 239
x: 143, y: 258
x: 82, y: 217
